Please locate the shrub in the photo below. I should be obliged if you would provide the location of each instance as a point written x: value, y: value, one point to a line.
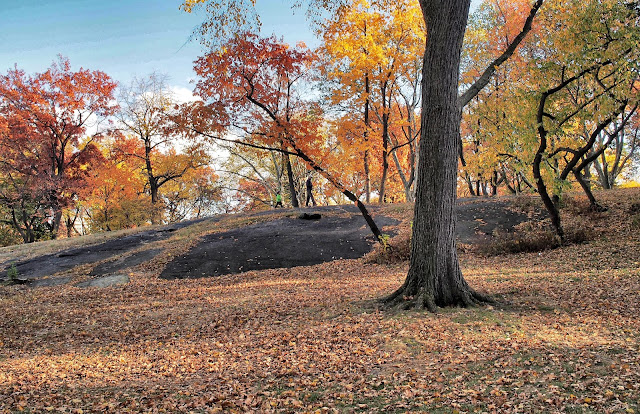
x: 536, y: 237
x: 527, y: 203
x: 392, y: 250
x: 8, y: 236
x: 576, y: 206
x: 12, y: 273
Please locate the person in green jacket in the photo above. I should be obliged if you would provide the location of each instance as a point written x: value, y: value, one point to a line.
x: 278, y: 200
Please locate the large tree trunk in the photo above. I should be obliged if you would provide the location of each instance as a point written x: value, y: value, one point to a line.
x: 434, y: 278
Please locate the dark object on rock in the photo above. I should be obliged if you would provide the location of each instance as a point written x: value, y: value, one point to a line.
x: 307, y: 216
x: 635, y: 208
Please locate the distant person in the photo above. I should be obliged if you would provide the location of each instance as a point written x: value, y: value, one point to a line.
x: 309, y: 192
x: 278, y: 200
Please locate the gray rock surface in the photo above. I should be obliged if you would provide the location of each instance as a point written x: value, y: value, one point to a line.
x: 106, y: 281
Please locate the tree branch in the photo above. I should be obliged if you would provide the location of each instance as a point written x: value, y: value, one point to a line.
x: 482, y: 81
x: 233, y: 141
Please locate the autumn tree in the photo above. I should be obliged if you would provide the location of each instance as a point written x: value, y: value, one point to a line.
x: 44, y: 146
x: 494, y: 151
x: 434, y: 278
x: 145, y: 114
x: 258, y: 83
x: 24, y: 207
x: 371, y: 51
x: 350, y: 53
x: 562, y: 104
x: 194, y: 195
x: 585, y: 77
x: 248, y: 86
x: 622, y: 155
x: 115, y: 198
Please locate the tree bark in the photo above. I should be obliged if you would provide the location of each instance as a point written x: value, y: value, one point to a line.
x: 367, y: 179
x: 385, y: 156
x: 593, y: 203
x: 292, y: 185
x: 434, y: 278
x: 152, y: 180
x: 467, y: 179
x: 367, y: 125
x: 549, y: 204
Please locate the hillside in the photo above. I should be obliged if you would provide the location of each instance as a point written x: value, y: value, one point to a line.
x: 231, y: 243
x: 313, y: 339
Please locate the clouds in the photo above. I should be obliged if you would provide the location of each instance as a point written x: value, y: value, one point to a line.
x: 182, y: 94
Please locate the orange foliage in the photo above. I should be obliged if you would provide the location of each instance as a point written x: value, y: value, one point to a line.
x: 43, y: 141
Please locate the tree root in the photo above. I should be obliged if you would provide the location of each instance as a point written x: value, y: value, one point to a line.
x: 392, y: 298
x: 399, y: 300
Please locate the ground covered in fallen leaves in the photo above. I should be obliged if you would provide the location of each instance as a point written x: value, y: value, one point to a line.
x: 311, y: 339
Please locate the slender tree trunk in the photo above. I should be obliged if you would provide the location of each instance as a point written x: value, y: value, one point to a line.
x: 367, y: 125
x: 24, y: 233
x: 69, y: 224
x: 512, y: 188
x: 151, y: 179
x: 524, y: 180
x: 467, y: 178
x: 593, y: 203
x: 549, y: 204
x: 434, y: 278
x: 367, y: 179
x: 603, y: 174
x: 385, y: 156
x: 57, y: 219
x: 292, y: 184
x: 406, y: 185
x: 494, y: 183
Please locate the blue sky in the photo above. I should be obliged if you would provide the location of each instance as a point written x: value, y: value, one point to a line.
x: 123, y: 38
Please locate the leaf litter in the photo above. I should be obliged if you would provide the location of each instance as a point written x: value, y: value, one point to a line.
x: 311, y: 339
